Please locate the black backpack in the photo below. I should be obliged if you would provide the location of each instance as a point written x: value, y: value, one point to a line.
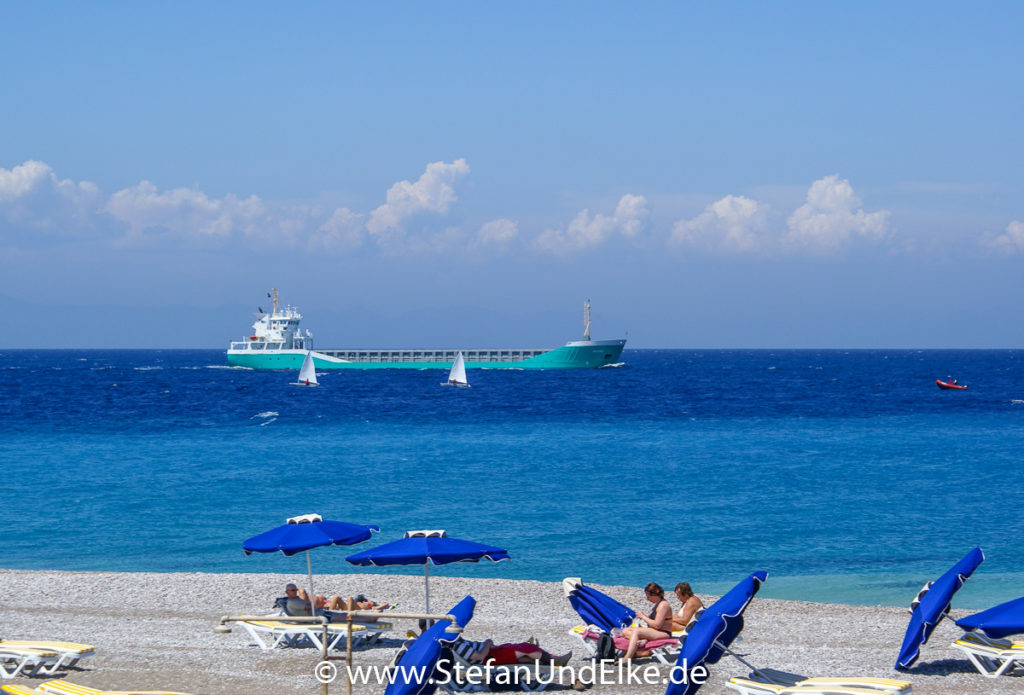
x: 605, y: 648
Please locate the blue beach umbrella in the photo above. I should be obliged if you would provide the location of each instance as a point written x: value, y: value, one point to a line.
x: 933, y: 605
x: 417, y: 663
x: 999, y: 621
x: 597, y: 608
x: 712, y: 634
x: 427, y: 548
x: 302, y: 533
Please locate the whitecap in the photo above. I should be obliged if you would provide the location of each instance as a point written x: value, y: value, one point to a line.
x: 1017, y: 401
x: 264, y: 424
x: 147, y: 369
x: 613, y: 365
x: 266, y: 413
x: 227, y: 366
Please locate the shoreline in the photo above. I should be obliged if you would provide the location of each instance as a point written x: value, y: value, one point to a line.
x: 155, y: 630
x: 858, y: 590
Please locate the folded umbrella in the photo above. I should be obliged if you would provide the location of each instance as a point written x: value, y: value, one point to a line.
x: 712, y: 634
x: 415, y: 666
x: 999, y: 621
x: 934, y: 605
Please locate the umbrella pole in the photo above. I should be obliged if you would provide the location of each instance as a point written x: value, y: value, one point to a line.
x: 426, y: 580
x: 309, y: 569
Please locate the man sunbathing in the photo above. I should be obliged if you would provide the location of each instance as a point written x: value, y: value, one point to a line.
x: 296, y: 602
x: 504, y: 654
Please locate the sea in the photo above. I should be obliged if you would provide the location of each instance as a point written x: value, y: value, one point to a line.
x: 847, y: 475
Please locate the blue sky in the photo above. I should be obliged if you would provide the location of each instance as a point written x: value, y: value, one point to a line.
x: 466, y: 174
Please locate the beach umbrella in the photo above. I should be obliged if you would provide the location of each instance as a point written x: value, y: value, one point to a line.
x: 595, y: 607
x: 302, y: 533
x: 712, y: 634
x: 414, y: 667
x: 427, y: 548
x: 999, y: 621
x: 933, y: 605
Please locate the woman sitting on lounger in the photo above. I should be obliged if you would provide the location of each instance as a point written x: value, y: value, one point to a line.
x: 658, y: 621
x: 691, y: 604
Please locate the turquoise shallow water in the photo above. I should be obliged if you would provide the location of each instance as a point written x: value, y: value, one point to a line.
x: 847, y: 475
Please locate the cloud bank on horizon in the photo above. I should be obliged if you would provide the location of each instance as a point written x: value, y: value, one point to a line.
x: 36, y: 206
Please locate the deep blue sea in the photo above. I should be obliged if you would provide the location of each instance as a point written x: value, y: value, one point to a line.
x: 847, y: 475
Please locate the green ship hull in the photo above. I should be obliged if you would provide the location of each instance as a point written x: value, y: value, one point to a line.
x: 575, y: 355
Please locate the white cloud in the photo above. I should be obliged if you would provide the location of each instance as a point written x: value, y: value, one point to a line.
x: 185, y: 211
x: 432, y: 192
x: 31, y: 195
x: 585, y: 231
x: 497, y: 233
x: 1012, y: 240
x: 733, y: 223
x: 832, y: 215
x: 342, y: 231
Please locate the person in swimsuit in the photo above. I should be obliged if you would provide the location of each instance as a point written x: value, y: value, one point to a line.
x: 691, y: 604
x: 657, y: 623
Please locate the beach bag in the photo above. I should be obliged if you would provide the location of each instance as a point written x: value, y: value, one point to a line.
x: 605, y: 648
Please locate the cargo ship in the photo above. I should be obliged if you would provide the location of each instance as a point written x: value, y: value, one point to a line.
x: 277, y: 342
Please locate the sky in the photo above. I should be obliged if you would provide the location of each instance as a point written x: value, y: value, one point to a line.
x: 465, y: 174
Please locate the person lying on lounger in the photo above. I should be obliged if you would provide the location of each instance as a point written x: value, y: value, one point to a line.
x: 296, y: 602
x: 503, y: 654
x: 658, y: 623
x: 691, y: 604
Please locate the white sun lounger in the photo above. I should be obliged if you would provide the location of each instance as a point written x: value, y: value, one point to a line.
x: 22, y: 661
x: 822, y: 689
x: 69, y: 652
x: 62, y: 687
x: 992, y: 657
x: 286, y: 634
x: 772, y: 682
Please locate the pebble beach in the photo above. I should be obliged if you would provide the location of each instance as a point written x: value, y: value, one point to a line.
x: 156, y: 631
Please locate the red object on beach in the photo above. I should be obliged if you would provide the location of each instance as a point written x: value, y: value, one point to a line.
x: 951, y: 384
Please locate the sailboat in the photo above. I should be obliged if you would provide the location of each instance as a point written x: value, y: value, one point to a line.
x: 457, y: 376
x: 307, y: 374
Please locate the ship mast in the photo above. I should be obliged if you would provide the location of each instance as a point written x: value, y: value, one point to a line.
x: 274, y: 290
x: 586, y: 320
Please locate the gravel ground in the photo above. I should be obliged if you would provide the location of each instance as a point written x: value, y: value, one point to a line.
x: 155, y: 631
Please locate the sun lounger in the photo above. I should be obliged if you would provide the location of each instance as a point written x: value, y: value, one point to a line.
x: 21, y: 690
x: 22, y: 661
x: 62, y: 687
x: 811, y: 689
x: 665, y: 650
x: 286, y: 634
x: 69, y: 652
x: 771, y: 682
x: 992, y: 657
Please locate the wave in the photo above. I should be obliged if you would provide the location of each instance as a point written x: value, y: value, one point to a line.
x: 226, y: 366
x: 613, y: 365
x: 1017, y: 401
x: 147, y: 369
x: 265, y: 414
x: 264, y: 424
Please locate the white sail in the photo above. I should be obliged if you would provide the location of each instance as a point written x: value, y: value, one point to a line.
x: 307, y: 375
x: 457, y: 376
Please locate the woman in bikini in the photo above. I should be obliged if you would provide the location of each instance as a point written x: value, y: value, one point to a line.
x: 657, y: 623
x: 691, y: 604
